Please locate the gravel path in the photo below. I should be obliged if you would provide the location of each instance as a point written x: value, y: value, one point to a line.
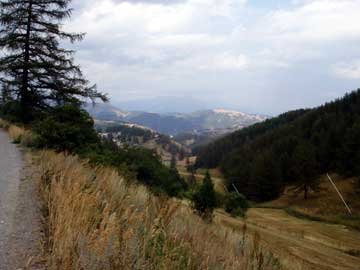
x: 19, y: 210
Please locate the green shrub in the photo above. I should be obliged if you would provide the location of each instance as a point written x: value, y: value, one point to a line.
x: 66, y: 128
x: 11, y: 111
x: 236, y: 204
x: 143, y: 164
x: 221, y: 199
x: 204, y: 198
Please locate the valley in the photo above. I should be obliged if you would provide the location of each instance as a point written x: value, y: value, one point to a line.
x: 208, y: 122
x: 180, y: 135
x: 311, y: 234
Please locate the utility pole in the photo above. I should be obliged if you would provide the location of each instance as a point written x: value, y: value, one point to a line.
x: 338, y: 192
x: 237, y: 191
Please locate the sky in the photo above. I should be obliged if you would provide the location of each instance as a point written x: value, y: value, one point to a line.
x: 259, y: 56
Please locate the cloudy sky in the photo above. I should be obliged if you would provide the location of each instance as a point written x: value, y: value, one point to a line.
x: 264, y: 56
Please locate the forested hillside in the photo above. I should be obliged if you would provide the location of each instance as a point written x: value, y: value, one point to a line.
x: 293, y: 148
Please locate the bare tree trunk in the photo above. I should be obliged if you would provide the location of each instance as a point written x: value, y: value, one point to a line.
x: 24, y: 91
x: 306, y: 189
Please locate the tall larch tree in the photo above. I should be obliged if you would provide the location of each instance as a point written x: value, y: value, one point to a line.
x: 34, y: 69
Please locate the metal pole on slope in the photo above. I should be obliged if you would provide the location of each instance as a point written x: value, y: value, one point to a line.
x: 236, y: 189
x: 338, y: 192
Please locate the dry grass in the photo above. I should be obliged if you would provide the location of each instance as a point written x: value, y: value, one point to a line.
x: 324, y: 206
x: 20, y: 135
x: 326, y: 202
x: 96, y: 220
x: 4, y: 124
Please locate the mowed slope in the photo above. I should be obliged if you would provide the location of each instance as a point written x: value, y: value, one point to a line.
x: 300, y: 243
x: 297, y: 243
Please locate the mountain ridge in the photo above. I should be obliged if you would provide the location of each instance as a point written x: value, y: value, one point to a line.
x: 175, y: 123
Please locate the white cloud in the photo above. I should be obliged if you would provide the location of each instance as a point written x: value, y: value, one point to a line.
x: 155, y: 34
x: 348, y: 70
x: 227, y: 61
x: 317, y: 21
x: 181, y: 40
x: 165, y: 46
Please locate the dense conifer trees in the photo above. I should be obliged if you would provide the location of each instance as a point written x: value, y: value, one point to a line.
x: 292, y: 149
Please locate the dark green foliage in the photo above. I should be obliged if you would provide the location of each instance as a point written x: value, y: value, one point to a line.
x: 199, y: 140
x: 236, y: 204
x: 35, y: 71
x: 5, y: 95
x: 204, y: 198
x: 212, y: 154
x: 304, y: 170
x: 192, y: 179
x: 169, y: 145
x: 291, y: 149
x: 173, y: 162
x: 11, y: 111
x: 144, y: 164
x: 127, y: 133
x: 69, y: 128
x: 66, y: 128
x: 153, y: 173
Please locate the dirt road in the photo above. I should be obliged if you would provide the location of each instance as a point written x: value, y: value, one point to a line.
x: 19, y: 210
x: 300, y: 244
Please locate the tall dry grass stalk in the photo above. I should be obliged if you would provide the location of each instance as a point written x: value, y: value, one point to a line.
x: 96, y: 220
x: 4, y: 124
x: 19, y: 134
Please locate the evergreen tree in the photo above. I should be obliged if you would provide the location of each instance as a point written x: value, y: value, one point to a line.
x: 265, y: 182
x: 4, y: 96
x: 35, y: 70
x: 350, y: 155
x: 236, y: 204
x: 305, y: 169
x: 68, y: 128
x: 204, y: 199
x: 173, y: 162
x: 192, y: 179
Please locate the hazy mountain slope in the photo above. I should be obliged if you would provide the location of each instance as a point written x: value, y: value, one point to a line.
x: 175, y: 123
x: 105, y: 111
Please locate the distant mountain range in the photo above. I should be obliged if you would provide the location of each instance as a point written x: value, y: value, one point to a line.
x: 219, y: 120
